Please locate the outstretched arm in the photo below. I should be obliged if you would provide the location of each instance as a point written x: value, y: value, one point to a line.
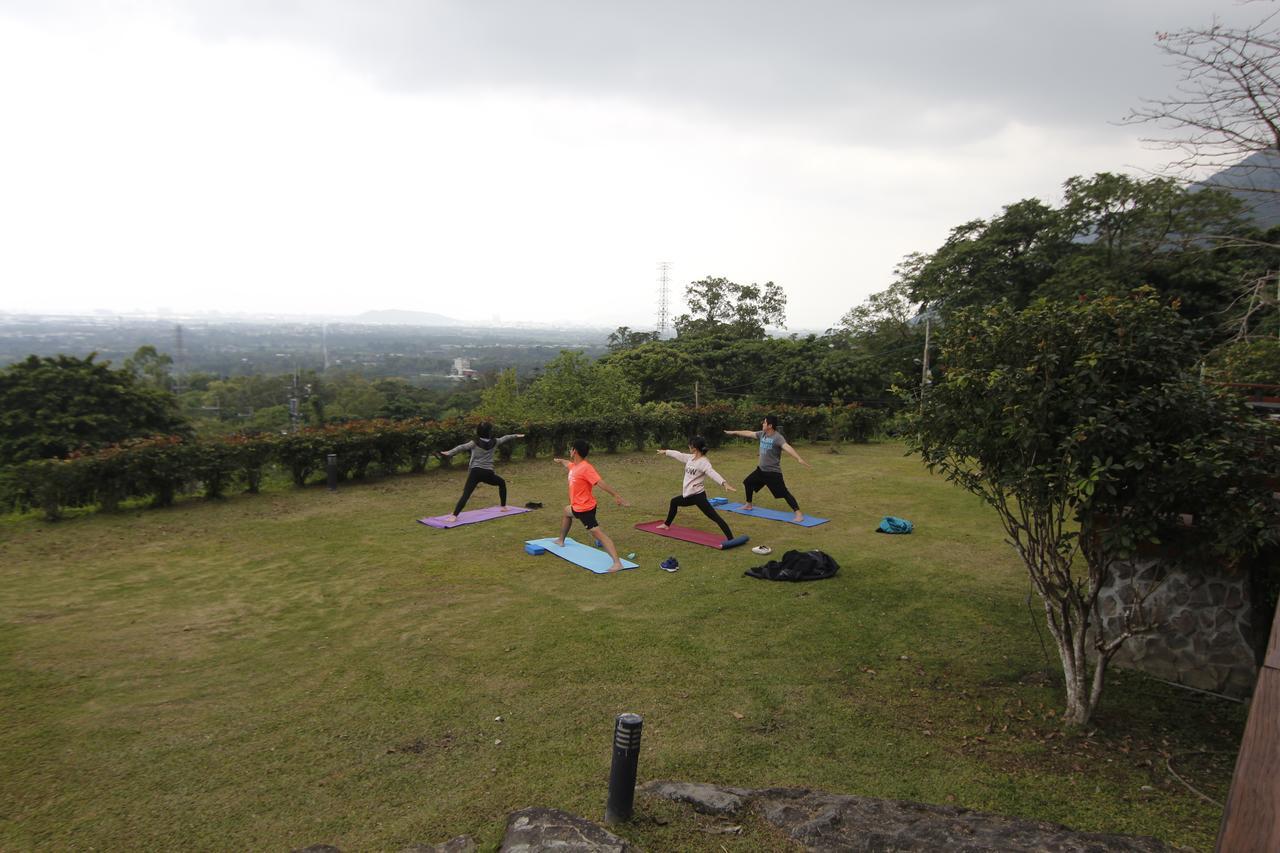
x: 565, y: 462
x: 715, y: 475
x: 617, y: 497
x: 742, y: 433
x: 467, y: 446
x: 507, y: 438
x: 792, y: 451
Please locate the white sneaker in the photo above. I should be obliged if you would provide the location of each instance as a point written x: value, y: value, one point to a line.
x: 762, y: 550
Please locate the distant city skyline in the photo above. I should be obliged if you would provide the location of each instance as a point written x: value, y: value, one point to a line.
x: 537, y: 162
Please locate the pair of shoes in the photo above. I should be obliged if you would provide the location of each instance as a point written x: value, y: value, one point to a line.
x: 533, y: 505
x: 670, y: 564
x: 762, y: 550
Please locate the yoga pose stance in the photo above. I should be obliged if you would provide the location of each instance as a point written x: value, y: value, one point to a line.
x: 582, y: 503
x: 696, y: 469
x: 481, y: 469
x: 769, y: 471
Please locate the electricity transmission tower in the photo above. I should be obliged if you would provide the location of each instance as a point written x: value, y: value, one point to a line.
x: 180, y: 361
x: 664, y: 289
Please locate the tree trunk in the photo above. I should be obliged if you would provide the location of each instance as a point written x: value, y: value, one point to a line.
x: 1081, y: 696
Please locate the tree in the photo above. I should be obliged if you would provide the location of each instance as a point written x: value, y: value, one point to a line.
x: 661, y: 371
x: 573, y: 386
x: 53, y: 406
x: 981, y: 262
x: 622, y: 338
x: 1248, y: 361
x: 1087, y: 430
x: 1228, y: 103
x: 889, y: 312
x: 501, y: 401
x: 1111, y: 233
x: 717, y: 305
x: 151, y: 366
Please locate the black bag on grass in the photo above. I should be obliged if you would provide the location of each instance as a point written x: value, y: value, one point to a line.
x: 797, y: 566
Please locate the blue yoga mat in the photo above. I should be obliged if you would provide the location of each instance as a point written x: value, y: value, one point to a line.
x: 773, y: 514
x: 580, y: 555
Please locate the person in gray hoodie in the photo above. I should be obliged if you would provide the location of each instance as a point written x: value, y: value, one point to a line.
x: 481, y: 468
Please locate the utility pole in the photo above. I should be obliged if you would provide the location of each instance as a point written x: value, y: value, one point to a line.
x: 924, y: 365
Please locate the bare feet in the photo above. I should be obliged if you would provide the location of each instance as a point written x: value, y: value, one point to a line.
x: 505, y: 509
x: 662, y: 527
x: 560, y: 542
x: 450, y: 519
x: 747, y: 506
x: 798, y: 518
x: 616, y: 567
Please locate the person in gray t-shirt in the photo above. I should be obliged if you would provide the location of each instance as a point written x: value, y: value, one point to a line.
x: 481, y: 468
x: 769, y: 471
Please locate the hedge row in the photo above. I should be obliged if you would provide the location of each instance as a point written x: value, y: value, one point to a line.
x: 163, y: 467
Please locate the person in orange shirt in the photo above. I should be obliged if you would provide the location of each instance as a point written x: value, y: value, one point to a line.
x: 582, y: 503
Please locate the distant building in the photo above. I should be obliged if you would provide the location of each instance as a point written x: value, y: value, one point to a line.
x: 462, y: 369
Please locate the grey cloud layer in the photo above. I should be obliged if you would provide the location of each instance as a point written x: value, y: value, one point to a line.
x: 849, y: 71
x: 852, y: 70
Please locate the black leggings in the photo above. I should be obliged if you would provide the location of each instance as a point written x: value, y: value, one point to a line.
x: 757, y: 480
x: 481, y: 475
x: 700, y: 501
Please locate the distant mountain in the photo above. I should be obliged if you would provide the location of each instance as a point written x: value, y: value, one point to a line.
x: 394, y: 317
x: 1255, y: 180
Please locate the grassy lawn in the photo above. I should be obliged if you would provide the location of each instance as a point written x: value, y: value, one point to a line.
x: 300, y: 666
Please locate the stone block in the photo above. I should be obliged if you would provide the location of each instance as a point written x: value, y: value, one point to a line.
x: 1202, y: 678
x: 1234, y: 599
x: 819, y: 821
x: 706, y: 799
x: 537, y: 829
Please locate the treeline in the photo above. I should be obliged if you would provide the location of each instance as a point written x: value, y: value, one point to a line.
x: 161, y: 468
x: 1196, y: 250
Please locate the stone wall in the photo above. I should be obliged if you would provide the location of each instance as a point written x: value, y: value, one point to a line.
x: 1208, y: 637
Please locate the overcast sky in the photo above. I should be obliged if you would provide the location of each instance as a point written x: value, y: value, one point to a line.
x: 537, y: 160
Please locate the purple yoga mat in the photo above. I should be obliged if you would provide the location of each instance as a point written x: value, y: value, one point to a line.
x: 471, y: 516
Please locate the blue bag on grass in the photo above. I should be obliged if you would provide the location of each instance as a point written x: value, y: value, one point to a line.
x: 890, y: 524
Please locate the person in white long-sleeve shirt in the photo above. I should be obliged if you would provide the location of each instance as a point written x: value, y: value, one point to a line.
x: 693, y: 493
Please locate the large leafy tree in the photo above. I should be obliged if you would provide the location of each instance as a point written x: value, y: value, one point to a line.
x: 53, y: 406
x: 1111, y: 233
x: 573, y: 386
x: 624, y: 338
x: 1086, y: 428
x: 662, y: 372
x: 151, y: 366
x: 882, y: 340
x: 720, y: 306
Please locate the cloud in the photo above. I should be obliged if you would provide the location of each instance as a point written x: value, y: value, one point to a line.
x: 853, y: 72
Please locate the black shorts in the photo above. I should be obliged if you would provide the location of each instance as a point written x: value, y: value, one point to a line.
x: 587, y: 517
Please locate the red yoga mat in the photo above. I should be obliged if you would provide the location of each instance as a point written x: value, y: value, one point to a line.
x: 688, y: 534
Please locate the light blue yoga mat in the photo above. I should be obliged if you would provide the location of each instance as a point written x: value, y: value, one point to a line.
x: 580, y: 555
x: 773, y: 514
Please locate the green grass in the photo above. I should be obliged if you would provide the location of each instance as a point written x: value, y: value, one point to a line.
x: 298, y: 667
